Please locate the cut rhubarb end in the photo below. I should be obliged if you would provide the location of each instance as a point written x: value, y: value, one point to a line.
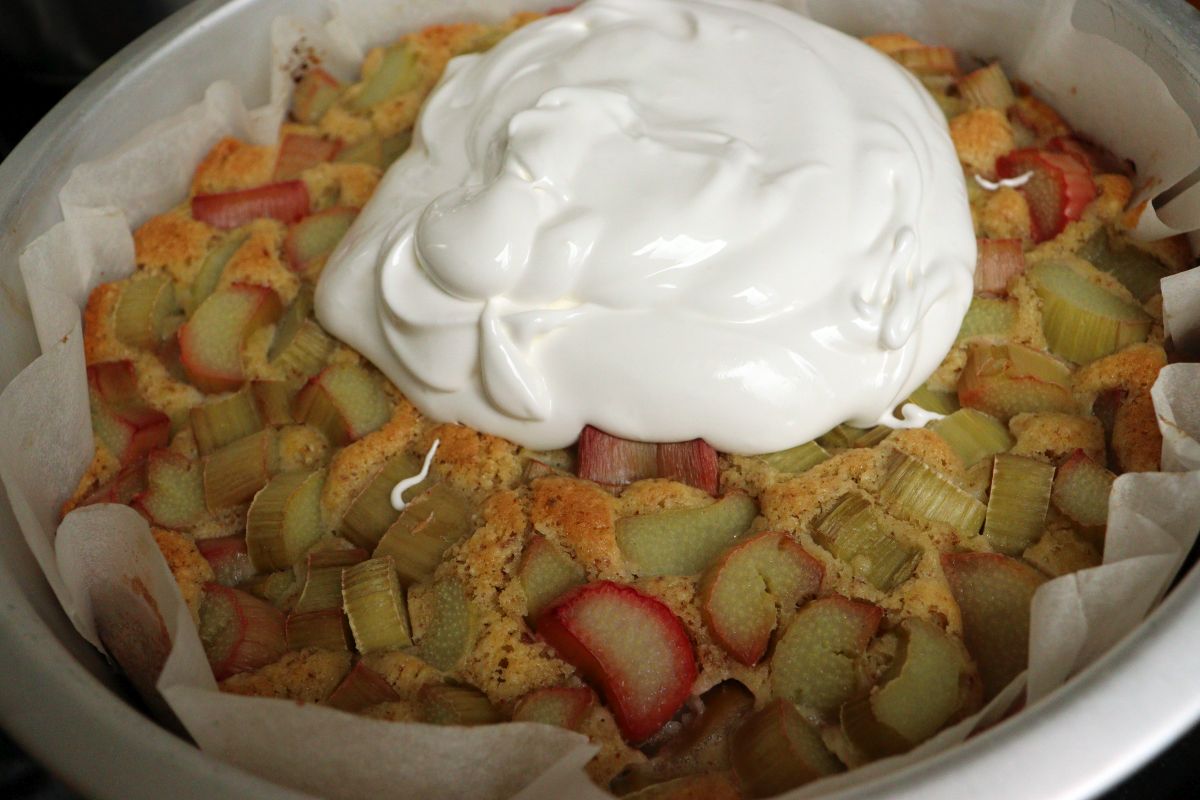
x: 693, y: 463
x: 273, y: 400
x: 816, y: 662
x: 310, y: 241
x: 174, y: 497
x: 300, y: 347
x: 284, y: 520
x: 450, y: 630
x: 213, y: 266
x: 210, y: 343
x: 1083, y: 321
x: 228, y: 558
x: 362, y: 687
x: 345, y: 402
x: 233, y: 474
x: 325, y: 630
x: 1005, y: 380
x: 853, y: 531
x: 399, y: 71
x: 994, y: 593
x: 628, y: 644
x: 374, y: 604
x: 742, y: 593
x: 371, y: 513
x: 1017, y: 503
x: 456, y: 705
x: 1137, y: 270
x: 429, y: 526
x: 997, y: 262
x: 130, y: 431
x: 114, y: 382
x: 322, y: 589
x: 221, y: 422
x: 684, y: 541
x: 987, y: 316
x: 143, y: 309
x: 613, y: 461
x: 917, y: 490
x: 287, y: 202
x: 973, y: 435
x: 987, y: 87
x: 924, y: 60
x: 239, y: 631
x: 315, y: 93
x: 368, y: 150
x: 1059, y: 189
x: 797, y: 459
x: 298, y: 152
x: 1081, y: 490
x: 561, y: 706
x: 127, y: 485
x: 938, y: 402
x: 777, y: 750
x: 546, y: 573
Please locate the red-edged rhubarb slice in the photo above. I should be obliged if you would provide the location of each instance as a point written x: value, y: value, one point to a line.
x: 287, y: 202
x: 693, y: 463
x: 615, y: 461
x: 239, y: 631
x: 998, y: 260
x: 315, y: 93
x: 175, y: 497
x: 298, y: 152
x: 345, y: 402
x: 128, y: 484
x: 1059, y: 189
x: 228, y: 558
x: 310, y: 241
x: 210, y: 343
x: 628, y: 644
x: 130, y: 430
x: 562, y: 706
x: 114, y: 381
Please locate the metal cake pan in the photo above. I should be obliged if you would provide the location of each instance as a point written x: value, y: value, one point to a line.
x: 60, y: 700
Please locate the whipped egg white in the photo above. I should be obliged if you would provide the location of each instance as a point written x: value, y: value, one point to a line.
x: 669, y: 219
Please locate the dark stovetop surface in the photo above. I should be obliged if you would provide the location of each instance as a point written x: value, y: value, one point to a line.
x: 49, y: 45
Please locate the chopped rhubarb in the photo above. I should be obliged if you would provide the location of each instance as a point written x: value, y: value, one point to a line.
x: 854, y: 532
x: 210, y: 343
x: 777, y: 749
x: 1059, y: 189
x: 374, y: 604
x: 239, y: 631
x: 796, y: 459
x: 997, y: 261
x: 987, y: 87
x: 1081, y: 490
x: 284, y: 519
x: 287, y: 201
x: 145, y: 305
x: 398, y: 71
x: 310, y: 241
x: 298, y: 152
x: 174, y: 497
x: 228, y: 558
x: 1005, y: 380
x: 345, y: 402
x: 693, y: 463
x: 614, y: 461
x: 211, y: 269
x: 114, y: 382
x: 315, y: 93
x: 628, y: 644
x: 370, y: 512
x: 925, y: 60
x: 429, y: 525
x: 368, y: 150
x: 546, y: 572
x: 300, y: 347
x: 129, y: 430
x: 987, y: 316
x: 1082, y: 320
x: 233, y: 474
x: 456, y: 705
x: 325, y: 629
x: 221, y: 422
x: 128, y: 484
x: 561, y: 706
x: 361, y: 688
x: 449, y: 629
x: 684, y: 541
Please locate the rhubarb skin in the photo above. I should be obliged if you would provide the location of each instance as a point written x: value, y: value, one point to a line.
x: 693, y: 463
x: 629, y: 645
x: 228, y: 558
x: 239, y: 631
x: 130, y: 431
x: 1058, y: 191
x: 210, y: 343
x: 298, y: 152
x: 315, y: 93
x: 287, y: 202
x: 561, y: 706
x: 1005, y: 380
x: 614, y: 461
x: 997, y: 262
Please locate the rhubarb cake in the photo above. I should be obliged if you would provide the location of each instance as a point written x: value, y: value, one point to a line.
x: 720, y: 625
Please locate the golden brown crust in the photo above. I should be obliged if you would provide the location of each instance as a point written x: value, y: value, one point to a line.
x: 308, y: 676
x: 981, y: 136
x: 233, y: 164
x: 170, y: 242
x: 191, y: 570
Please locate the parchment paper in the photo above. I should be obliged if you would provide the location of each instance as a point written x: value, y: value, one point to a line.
x: 101, y: 561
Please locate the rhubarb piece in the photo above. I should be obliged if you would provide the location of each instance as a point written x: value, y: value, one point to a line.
x: 371, y: 511
x: 450, y: 628
x: 374, y: 604
x: 233, y: 474
x: 683, y: 541
x: 973, y: 435
x: 298, y: 152
x: 143, y: 309
x: 561, y: 706
x: 368, y: 150
x: 128, y: 484
x: 917, y: 490
x: 934, y: 400
x: 546, y: 572
x: 228, y: 558
x: 1137, y: 270
x: 854, y: 533
x: 817, y: 661
x: 987, y: 87
x: 1083, y: 321
x: 286, y: 201
x: 221, y: 422
x: 129, y: 430
x: 428, y: 527
x: 456, y: 705
x: 336, y: 557
x: 300, y: 347
x: 741, y: 595
x: 310, y: 241
x: 777, y: 750
x: 361, y: 688
x: 213, y: 266
x: 273, y: 400
x: 1059, y: 189
x: 345, y: 402
x: 1005, y: 380
x: 284, y: 519
x: 325, y: 629
x: 399, y: 71
x: 277, y: 588
x: 239, y: 632
x: 925, y: 60
x: 994, y: 593
x: 1081, y: 490
x: 986, y: 316
x: 315, y: 93
x: 628, y: 644
x: 693, y: 463
x: 796, y: 459
x: 114, y: 382
x: 919, y: 693
x: 1017, y: 504
x: 174, y: 497
x: 210, y: 343
x: 322, y: 588
x: 613, y: 461
x: 997, y: 262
